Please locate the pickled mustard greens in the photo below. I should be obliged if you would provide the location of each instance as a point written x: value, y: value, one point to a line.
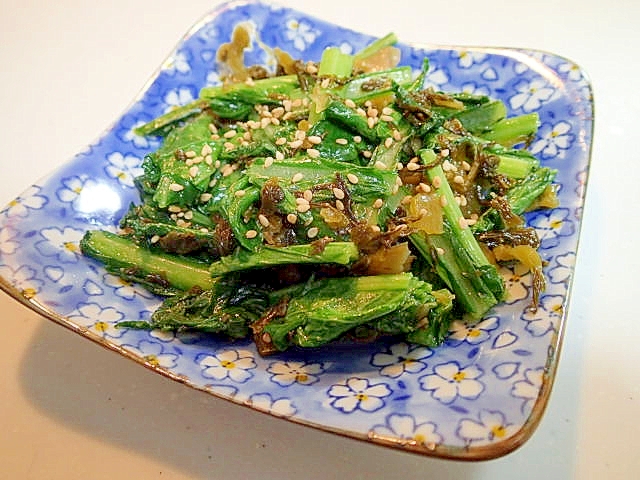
x: 334, y: 201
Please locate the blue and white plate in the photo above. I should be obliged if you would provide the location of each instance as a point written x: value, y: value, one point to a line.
x: 478, y: 396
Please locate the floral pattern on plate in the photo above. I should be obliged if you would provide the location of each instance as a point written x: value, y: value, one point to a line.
x: 480, y: 395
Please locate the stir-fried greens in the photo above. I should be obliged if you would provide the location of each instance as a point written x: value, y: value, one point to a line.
x: 338, y: 200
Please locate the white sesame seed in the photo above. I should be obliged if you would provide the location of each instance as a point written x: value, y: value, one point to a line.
x: 313, y: 232
x: 444, y: 152
x: 208, y: 160
x: 378, y: 203
x: 397, y: 136
x: 372, y: 112
x: 341, y: 141
x: 302, y: 201
x: 313, y: 153
x: 190, y: 154
x: 367, y: 153
x: 275, y: 121
x: 406, y: 199
x: 297, y: 177
x: 279, y: 155
x: 315, y: 139
x: 205, y: 197
x: 412, y: 166
x: 155, y: 239
x: 303, y: 207
x: 251, y: 234
x: 352, y: 178
x: 465, y: 165
x: 338, y: 193
x: 311, y: 68
x: 286, y: 104
x: 188, y: 214
x: 436, y: 182
x: 217, y: 164
x: 458, y: 179
x: 264, y: 122
x: 264, y: 221
x: 388, y: 142
x: 371, y: 122
x: 174, y: 208
x: 307, y: 195
x: 228, y: 146
x: 380, y: 165
x: 447, y: 166
x: 295, y: 103
x: 339, y: 205
x: 213, y: 128
x: 240, y: 193
x: 176, y: 187
x: 386, y: 118
x: 387, y: 111
x: 230, y: 134
x: 292, y: 218
x: 462, y: 222
x: 268, y: 162
x: 463, y: 201
x: 443, y: 201
x: 375, y: 228
x: 399, y: 181
x: 424, y: 188
x: 357, y: 139
x: 295, y: 143
x: 277, y: 112
x: 281, y: 141
x: 350, y: 103
x: 206, y: 150
x: 325, y: 82
x: 193, y: 171
x: 440, y: 250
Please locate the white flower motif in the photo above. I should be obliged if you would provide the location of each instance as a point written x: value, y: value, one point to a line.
x: 547, y: 317
x: 300, y: 33
x: 472, y: 88
x: 467, y: 59
x: 72, y: 188
x: 473, y: 334
x: 517, y: 281
x: 232, y: 364
x: 281, y: 407
x: 450, y: 381
x: 23, y: 279
x: 531, y: 95
x: 288, y: 373
x: 100, y: 320
x: 404, y: 426
x: 123, y: 168
x: 571, y: 71
x: 8, y: 241
x: 139, y: 141
x: 64, y: 244
x: 153, y: 353
x: 554, y: 140
x: 125, y: 289
x: 177, y: 97
x: 561, y: 273
x: 551, y: 225
x: 30, y: 199
x: 437, y: 78
x: 358, y: 394
x: 401, y: 358
x: 529, y: 388
x: 491, y: 426
x: 177, y: 63
x: 346, y: 47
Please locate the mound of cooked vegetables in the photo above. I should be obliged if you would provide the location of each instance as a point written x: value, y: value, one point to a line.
x: 332, y: 201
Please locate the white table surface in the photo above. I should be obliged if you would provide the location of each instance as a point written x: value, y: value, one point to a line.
x: 72, y: 410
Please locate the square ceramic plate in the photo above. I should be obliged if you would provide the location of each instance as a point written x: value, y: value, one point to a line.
x: 478, y: 396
